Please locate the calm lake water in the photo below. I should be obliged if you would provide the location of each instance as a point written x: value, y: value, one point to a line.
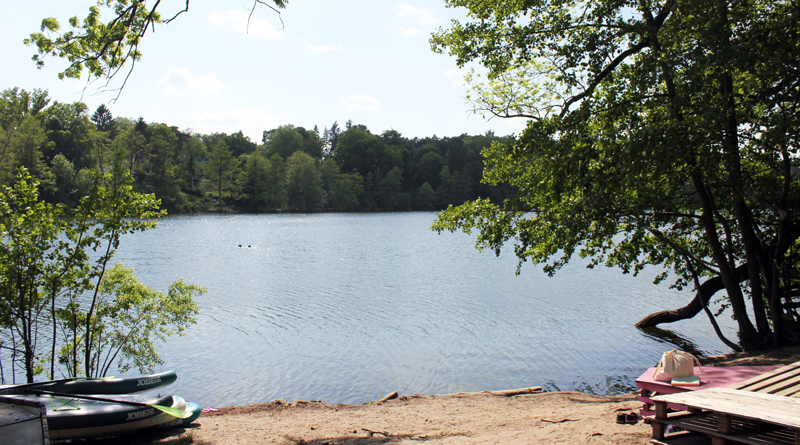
x: 345, y: 308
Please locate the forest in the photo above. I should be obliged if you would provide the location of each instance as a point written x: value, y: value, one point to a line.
x: 292, y: 169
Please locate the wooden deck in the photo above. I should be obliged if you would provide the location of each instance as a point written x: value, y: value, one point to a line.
x: 731, y: 414
x: 764, y: 409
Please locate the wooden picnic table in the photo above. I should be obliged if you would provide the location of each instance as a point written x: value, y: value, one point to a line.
x: 731, y: 414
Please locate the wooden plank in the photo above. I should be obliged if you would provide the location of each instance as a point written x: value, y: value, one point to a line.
x: 788, y: 387
x: 661, y: 410
x: 775, y: 384
x: 724, y: 424
x: 770, y: 408
x: 768, y: 378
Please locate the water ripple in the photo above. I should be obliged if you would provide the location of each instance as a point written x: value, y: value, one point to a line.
x: 344, y: 307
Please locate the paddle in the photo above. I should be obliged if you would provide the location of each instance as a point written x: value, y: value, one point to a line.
x: 174, y: 412
x: 68, y: 379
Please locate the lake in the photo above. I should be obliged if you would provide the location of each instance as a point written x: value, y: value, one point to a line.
x: 345, y: 308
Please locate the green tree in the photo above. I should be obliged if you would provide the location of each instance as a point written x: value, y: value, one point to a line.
x: 330, y: 139
x: 276, y: 183
x: 130, y: 151
x: 312, y: 144
x: 67, y: 128
x: 358, y: 151
x: 103, y: 119
x: 50, y: 281
x: 30, y: 229
x: 129, y: 321
x: 239, y: 144
x: 428, y: 169
x: 16, y: 104
x: 660, y: 133
x: 98, y: 147
x: 303, y: 183
x: 193, y: 150
x: 453, y: 188
x: 390, y: 196
x: 219, y: 168
x: 25, y: 150
x: 163, y: 176
x: 425, y: 198
x: 66, y: 180
x: 284, y: 140
x: 254, y: 182
x: 341, y: 189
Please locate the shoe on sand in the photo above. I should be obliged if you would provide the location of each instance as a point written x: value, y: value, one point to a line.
x: 622, y: 418
x: 632, y: 418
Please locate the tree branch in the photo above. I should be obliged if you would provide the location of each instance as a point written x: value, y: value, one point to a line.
x: 605, y: 73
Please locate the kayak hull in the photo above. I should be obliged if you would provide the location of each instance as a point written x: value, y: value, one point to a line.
x: 123, y: 385
x: 69, y: 418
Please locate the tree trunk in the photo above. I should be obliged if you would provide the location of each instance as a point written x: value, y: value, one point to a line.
x: 701, y: 298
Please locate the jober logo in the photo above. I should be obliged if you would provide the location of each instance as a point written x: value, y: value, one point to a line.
x: 140, y: 414
x: 148, y: 381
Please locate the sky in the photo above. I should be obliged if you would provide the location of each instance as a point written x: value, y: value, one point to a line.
x: 368, y: 61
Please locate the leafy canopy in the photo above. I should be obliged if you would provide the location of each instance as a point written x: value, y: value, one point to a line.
x: 660, y: 133
x: 100, y: 47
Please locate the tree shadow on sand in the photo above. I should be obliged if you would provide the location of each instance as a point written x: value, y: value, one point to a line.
x: 367, y: 437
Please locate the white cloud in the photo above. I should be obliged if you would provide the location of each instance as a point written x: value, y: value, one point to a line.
x: 458, y: 76
x: 359, y: 102
x: 410, y: 32
x: 240, y: 21
x: 251, y: 121
x: 325, y: 48
x: 421, y: 16
x: 182, y: 82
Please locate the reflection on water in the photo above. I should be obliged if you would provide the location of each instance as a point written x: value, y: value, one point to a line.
x: 345, y: 307
x: 673, y: 338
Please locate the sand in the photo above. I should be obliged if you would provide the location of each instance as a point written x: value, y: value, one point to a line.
x: 467, y: 418
x: 559, y: 417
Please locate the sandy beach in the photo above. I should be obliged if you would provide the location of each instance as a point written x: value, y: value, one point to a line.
x: 466, y: 418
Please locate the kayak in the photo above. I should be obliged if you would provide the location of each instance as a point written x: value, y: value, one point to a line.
x: 75, y: 417
x: 123, y: 385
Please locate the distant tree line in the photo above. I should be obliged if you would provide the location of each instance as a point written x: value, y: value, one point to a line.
x: 292, y: 169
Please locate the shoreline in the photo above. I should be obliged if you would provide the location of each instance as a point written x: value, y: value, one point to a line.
x: 463, y: 418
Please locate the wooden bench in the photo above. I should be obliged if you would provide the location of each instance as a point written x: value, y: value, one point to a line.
x: 731, y: 414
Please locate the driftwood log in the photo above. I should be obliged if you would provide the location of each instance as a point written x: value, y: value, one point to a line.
x: 504, y: 393
x: 516, y: 392
x: 507, y: 392
x: 389, y: 397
